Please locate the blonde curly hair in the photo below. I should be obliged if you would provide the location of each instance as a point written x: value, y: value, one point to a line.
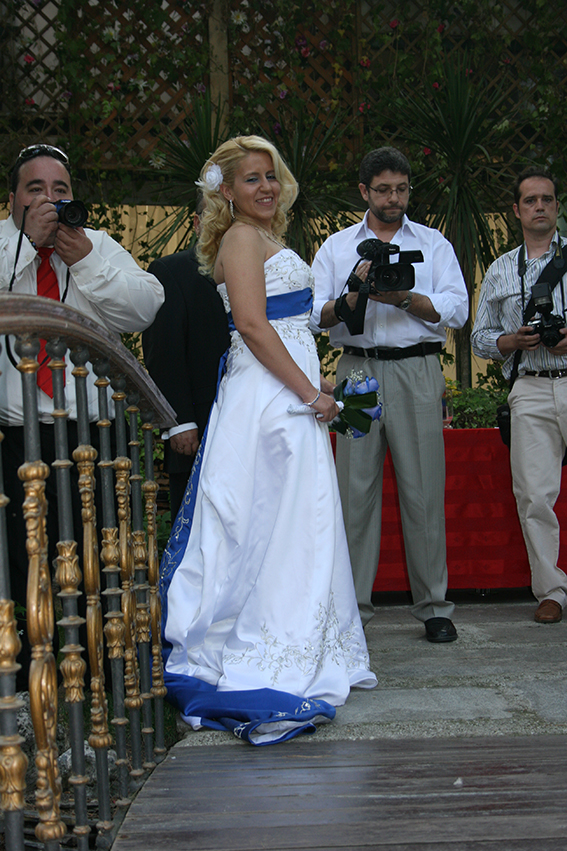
x: 216, y: 219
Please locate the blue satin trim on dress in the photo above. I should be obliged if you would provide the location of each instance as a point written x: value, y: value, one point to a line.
x: 242, y: 712
x: 285, y: 304
x: 248, y: 714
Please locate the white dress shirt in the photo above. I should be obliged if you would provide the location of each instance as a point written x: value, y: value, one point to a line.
x: 107, y: 285
x: 439, y: 277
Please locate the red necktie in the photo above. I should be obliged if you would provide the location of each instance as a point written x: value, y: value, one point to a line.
x: 48, y: 287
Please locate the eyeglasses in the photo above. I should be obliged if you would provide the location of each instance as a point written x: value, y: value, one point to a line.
x: 386, y: 191
x: 39, y: 150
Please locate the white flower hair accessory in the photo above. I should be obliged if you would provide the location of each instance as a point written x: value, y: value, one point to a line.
x: 212, y: 179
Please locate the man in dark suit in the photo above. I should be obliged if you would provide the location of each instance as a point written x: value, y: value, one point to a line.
x: 182, y: 349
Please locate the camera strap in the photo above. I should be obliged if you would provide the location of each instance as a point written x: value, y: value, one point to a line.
x: 354, y: 319
x: 550, y: 274
x: 13, y: 278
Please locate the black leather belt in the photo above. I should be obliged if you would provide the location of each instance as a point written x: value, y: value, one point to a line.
x: 417, y: 351
x: 546, y: 373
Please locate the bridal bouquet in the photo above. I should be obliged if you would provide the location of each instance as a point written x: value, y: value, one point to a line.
x: 361, y: 402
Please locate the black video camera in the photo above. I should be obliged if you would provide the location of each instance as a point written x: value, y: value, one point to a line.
x: 72, y: 213
x: 547, y: 325
x: 384, y: 276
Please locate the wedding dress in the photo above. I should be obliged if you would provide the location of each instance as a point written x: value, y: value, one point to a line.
x: 261, y: 630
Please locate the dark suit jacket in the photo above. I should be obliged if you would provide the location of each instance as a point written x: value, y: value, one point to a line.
x: 183, y: 346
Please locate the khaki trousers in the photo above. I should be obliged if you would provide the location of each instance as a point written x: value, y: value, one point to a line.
x: 538, y: 408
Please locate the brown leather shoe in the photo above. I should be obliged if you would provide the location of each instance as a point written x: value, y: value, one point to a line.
x: 548, y: 611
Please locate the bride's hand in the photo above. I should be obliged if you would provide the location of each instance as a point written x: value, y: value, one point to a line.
x: 326, y: 407
x: 326, y: 385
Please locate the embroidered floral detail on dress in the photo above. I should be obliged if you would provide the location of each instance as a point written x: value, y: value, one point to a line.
x: 270, y: 654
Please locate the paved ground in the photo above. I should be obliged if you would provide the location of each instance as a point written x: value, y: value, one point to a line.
x: 505, y: 676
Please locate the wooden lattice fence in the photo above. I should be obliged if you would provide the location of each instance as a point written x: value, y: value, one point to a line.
x: 106, y: 78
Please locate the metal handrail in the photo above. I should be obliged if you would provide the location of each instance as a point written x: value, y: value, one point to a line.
x: 30, y: 314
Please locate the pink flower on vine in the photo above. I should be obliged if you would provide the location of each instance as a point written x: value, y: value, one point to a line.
x: 67, y: 95
x: 283, y: 94
x: 30, y: 102
x: 395, y: 23
x: 300, y: 41
x: 436, y: 85
x: 364, y: 62
x: 440, y: 28
x: 201, y: 88
x: 29, y: 59
x: 506, y: 60
x: 363, y: 107
x: 305, y: 52
x: 323, y: 44
x: 427, y: 151
x: 468, y: 72
x: 441, y: 180
x: 277, y: 128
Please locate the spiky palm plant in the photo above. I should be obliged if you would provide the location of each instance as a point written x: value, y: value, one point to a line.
x: 461, y: 125
x: 184, y: 158
x: 309, y: 143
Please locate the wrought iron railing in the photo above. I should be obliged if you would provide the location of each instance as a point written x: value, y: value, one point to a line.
x: 122, y: 593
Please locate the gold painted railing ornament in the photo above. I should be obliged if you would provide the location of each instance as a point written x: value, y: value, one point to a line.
x: 120, y: 653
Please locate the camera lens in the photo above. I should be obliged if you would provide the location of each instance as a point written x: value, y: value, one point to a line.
x: 72, y: 213
x: 389, y: 277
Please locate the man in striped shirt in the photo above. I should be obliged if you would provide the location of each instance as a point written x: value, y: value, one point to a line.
x: 538, y: 399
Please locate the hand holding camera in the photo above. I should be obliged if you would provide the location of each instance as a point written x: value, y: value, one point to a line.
x: 382, y: 275
x: 43, y: 217
x: 547, y: 324
x: 378, y: 279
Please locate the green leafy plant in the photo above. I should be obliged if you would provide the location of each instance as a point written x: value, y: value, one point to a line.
x: 475, y: 407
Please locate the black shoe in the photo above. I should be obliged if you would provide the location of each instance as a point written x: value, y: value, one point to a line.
x: 440, y: 630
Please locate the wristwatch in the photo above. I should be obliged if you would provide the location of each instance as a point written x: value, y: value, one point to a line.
x: 403, y: 305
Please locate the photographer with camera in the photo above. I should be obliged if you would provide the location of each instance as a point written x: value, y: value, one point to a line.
x: 399, y: 343
x: 45, y: 250
x: 520, y: 320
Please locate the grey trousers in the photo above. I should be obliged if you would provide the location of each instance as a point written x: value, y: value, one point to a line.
x: 411, y: 426
x: 538, y: 408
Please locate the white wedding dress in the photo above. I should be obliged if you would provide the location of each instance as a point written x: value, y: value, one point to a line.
x: 261, y: 627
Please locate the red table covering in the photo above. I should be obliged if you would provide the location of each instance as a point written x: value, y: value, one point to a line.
x: 485, y: 546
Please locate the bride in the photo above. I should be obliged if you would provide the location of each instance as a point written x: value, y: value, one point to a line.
x: 261, y: 630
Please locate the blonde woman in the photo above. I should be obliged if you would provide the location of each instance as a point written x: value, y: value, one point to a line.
x: 261, y: 628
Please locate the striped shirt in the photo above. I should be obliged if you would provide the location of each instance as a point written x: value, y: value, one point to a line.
x: 500, y: 310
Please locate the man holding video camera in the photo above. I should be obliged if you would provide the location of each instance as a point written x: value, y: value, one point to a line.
x: 521, y: 321
x: 45, y: 250
x: 394, y: 335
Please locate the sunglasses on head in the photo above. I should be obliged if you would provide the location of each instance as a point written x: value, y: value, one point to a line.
x: 33, y: 151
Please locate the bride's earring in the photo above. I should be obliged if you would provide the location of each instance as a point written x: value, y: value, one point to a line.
x: 231, y: 207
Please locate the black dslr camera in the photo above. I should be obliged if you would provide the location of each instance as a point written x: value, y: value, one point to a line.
x: 72, y: 213
x: 384, y: 276
x: 547, y: 324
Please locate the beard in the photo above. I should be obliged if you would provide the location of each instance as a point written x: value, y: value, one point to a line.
x: 389, y: 215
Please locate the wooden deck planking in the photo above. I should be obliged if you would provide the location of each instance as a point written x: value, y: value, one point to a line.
x: 380, y: 794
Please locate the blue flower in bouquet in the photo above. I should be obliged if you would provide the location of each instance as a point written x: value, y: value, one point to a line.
x: 362, y: 404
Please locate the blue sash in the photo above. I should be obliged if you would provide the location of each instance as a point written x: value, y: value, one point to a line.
x: 286, y: 304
